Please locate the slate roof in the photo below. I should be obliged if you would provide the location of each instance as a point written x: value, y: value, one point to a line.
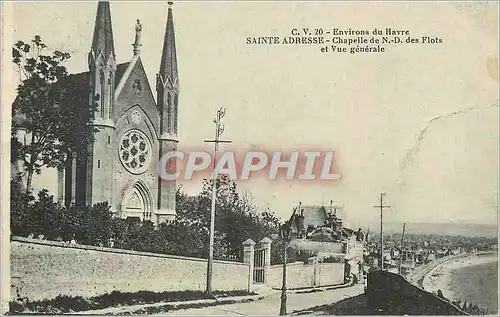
x: 120, y: 70
x: 78, y: 84
x: 77, y: 92
x: 314, y: 216
x: 347, y: 231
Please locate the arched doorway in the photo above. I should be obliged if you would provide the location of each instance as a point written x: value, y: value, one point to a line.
x: 137, y: 202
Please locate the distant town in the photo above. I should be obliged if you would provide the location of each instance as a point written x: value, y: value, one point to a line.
x: 422, y: 249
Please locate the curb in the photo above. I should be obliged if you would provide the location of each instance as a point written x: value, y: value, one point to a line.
x: 303, y: 290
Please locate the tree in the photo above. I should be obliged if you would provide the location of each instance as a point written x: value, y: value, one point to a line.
x: 237, y: 216
x: 236, y: 219
x: 49, y: 117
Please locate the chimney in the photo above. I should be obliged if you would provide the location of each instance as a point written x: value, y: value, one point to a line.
x: 301, y: 221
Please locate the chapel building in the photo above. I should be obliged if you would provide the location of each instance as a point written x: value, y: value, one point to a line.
x: 120, y: 164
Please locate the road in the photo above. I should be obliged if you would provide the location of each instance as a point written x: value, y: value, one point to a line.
x: 270, y: 306
x: 423, y: 270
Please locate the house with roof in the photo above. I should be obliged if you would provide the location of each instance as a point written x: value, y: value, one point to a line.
x: 320, y: 231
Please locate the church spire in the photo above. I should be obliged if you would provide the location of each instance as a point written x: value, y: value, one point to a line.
x: 103, y: 32
x: 167, y: 89
x: 167, y: 81
x: 102, y: 65
x: 168, y: 66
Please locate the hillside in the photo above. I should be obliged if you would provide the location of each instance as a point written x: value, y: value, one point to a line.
x: 471, y: 230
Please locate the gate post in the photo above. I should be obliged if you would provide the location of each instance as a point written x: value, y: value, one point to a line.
x: 317, y: 269
x: 314, y: 262
x: 248, y: 257
x: 266, y: 245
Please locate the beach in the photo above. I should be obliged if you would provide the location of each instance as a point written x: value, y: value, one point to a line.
x: 472, y: 278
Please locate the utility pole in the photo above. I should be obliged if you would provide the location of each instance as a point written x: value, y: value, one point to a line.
x: 219, y: 129
x: 381, y: 206
x: 402, y: 247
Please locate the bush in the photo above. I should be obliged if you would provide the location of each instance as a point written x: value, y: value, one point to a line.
x: 237, y: 220
x: 68, y: 304
x: 333, y: 259
x: 19, y: 204
x: 47, y: 218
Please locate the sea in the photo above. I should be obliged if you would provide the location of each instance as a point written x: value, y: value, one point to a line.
x: 478, y: 285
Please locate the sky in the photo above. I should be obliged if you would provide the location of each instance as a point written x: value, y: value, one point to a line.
x: 415, y: 122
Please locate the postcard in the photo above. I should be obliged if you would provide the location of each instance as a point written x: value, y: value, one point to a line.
x: 250, y: 158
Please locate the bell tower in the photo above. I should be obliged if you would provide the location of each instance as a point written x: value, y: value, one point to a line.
x: 167, y: 88
x: 97, y: 162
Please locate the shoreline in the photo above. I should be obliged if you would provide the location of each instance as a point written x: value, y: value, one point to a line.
x: 440, y: 276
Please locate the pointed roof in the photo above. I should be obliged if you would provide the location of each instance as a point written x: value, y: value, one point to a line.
x: 168, y: 66
x: 249, y: 242
x: 103, y: 32
x: 314, y: 216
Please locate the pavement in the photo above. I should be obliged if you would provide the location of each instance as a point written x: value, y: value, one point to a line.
x: 270, y: 304
x: 265, y: 303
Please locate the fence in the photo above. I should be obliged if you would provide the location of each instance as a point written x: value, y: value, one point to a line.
x: 228, y: 258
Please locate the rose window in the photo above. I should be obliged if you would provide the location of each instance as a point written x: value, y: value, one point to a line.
x: 135, y: 151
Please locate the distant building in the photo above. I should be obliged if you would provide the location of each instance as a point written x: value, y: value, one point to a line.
x: 408, y: 263
x: 456, y: 250
x: 320, y: 230
x: 309, y: 218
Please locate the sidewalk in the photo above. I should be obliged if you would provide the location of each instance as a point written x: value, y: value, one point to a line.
x: 262, y: 292
x: 270, y: 305
x: 164, y: 306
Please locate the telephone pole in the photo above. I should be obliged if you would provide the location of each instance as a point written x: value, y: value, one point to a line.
x: 381, y: 206
x: 219, y: 129
x: 402, y: 247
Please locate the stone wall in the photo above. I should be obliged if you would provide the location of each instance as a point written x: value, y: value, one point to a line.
x: 43, y: 269
x: 300, y: 275
x: 396, y: 296
x: 319, y: 247
x: 330, y: 274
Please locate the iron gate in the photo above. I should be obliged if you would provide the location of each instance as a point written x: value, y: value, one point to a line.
x: 259, y: 265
